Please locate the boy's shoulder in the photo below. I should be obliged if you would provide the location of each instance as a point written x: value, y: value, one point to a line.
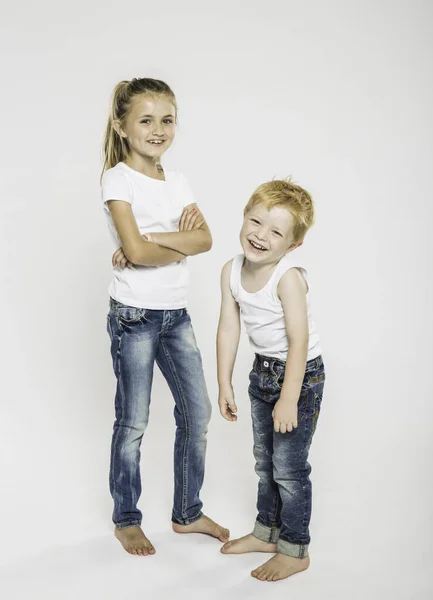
x: 291, y: 275
x: 236, y: 260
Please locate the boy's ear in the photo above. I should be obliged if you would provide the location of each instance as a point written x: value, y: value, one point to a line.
x: 294, y: 246
x: 118, y: 129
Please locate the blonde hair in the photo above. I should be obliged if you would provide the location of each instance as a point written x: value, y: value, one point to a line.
x: 288, y: 195
x: 116, y: 148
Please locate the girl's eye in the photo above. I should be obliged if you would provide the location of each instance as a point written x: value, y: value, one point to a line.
x: 145, y: 121
x: 168, y: 121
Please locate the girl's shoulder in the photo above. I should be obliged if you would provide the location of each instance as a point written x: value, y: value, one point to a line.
x: 113, y: 174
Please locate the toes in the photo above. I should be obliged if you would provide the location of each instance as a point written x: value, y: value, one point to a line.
x: 260, y: 573
x: 223, y: 535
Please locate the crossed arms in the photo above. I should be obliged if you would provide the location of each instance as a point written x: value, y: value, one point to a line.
x: 156, y: 249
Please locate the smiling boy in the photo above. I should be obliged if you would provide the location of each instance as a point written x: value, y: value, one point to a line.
x: 269, y: 289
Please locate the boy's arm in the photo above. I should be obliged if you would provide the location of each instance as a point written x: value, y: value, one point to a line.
x: 227, y: 345
x: 136, y: 249
x: 188, y: 242
x: 292, y: 291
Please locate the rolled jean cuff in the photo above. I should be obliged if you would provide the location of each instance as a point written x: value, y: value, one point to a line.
x: 266, y: 534
x: 289, y: 549
x: 187, y: 521
x: 126, y: 524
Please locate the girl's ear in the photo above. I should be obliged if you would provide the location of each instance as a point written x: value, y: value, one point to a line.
x: 118, y: 129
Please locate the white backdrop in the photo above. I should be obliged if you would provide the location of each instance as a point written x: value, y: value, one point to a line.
x: 336, y: 94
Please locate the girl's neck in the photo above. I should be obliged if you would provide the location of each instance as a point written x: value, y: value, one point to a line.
x: 149, y: 166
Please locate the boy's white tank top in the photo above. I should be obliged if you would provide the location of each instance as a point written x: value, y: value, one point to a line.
x: 262, y: 312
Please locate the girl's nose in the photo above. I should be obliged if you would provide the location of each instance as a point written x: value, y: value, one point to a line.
x: 157, y: 130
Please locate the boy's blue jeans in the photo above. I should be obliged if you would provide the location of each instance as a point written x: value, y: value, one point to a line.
x: 139, y: 337
x: 284, y: 494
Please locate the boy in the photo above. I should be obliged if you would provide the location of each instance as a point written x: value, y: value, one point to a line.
x: 266, y: 285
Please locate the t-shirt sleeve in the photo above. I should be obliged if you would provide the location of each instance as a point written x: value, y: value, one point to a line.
x: 115, y: 186
x: 187, y: 195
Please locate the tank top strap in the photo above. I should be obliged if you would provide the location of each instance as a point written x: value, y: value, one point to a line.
x: 286, y: 263
x: 235, y: 275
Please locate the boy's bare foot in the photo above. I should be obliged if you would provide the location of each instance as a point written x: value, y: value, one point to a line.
x: 134, y: 541
x: 248, y: 543
x: 280, y: 566
x: 204, y: 525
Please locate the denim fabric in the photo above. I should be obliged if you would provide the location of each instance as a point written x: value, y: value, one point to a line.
x: 284, y: 493
x: 139, y: 337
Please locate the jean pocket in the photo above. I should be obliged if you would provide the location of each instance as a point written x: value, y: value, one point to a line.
x: 130, y: 314
x: 317, y: 378
x: 278, y: 378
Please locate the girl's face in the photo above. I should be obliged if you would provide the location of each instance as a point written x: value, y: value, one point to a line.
x: 149, y: 126
x: 267, y: 235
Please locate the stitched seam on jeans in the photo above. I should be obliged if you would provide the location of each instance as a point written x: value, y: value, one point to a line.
x: 277, y: 500
x: 187, y: 433
x: 122, y: 396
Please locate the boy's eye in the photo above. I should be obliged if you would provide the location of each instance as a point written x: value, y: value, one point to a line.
x: 255, y: 221
x: 277, y: 233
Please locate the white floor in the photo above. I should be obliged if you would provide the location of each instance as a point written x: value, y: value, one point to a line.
x: 192, y: 567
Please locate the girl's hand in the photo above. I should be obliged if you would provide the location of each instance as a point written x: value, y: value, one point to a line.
x: 191, y: 219
x: 227, y: 404
x: 148, y: 237
x: 285, y: 415
x: 119, y: 260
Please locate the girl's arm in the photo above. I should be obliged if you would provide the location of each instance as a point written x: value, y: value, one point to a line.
x: 136, y: 249
x: 292, y: 291
x: 227, y: 345
x: 191, y: 242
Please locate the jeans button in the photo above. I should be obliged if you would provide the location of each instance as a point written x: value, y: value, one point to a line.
x: 265, y: 363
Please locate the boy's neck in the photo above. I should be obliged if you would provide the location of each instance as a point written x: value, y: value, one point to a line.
x: 255, y: 269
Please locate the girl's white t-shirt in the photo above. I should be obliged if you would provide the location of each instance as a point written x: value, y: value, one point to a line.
x: 263, y: 315
x: 157, y: 207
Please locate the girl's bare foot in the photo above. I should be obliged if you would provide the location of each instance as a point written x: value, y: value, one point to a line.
x: 204, y: 525
x: 248, y: 543
x: 280, y: 566
x: 134, y: 541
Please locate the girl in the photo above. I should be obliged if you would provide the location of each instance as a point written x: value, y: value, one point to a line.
x: 151, y: 214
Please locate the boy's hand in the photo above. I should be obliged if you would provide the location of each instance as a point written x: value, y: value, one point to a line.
x: 285, y: 415
x: 191, y: 219
x: 227, y: 404
x: 119, y: 259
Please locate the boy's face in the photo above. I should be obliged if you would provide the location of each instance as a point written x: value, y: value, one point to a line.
x: 267, y: 235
